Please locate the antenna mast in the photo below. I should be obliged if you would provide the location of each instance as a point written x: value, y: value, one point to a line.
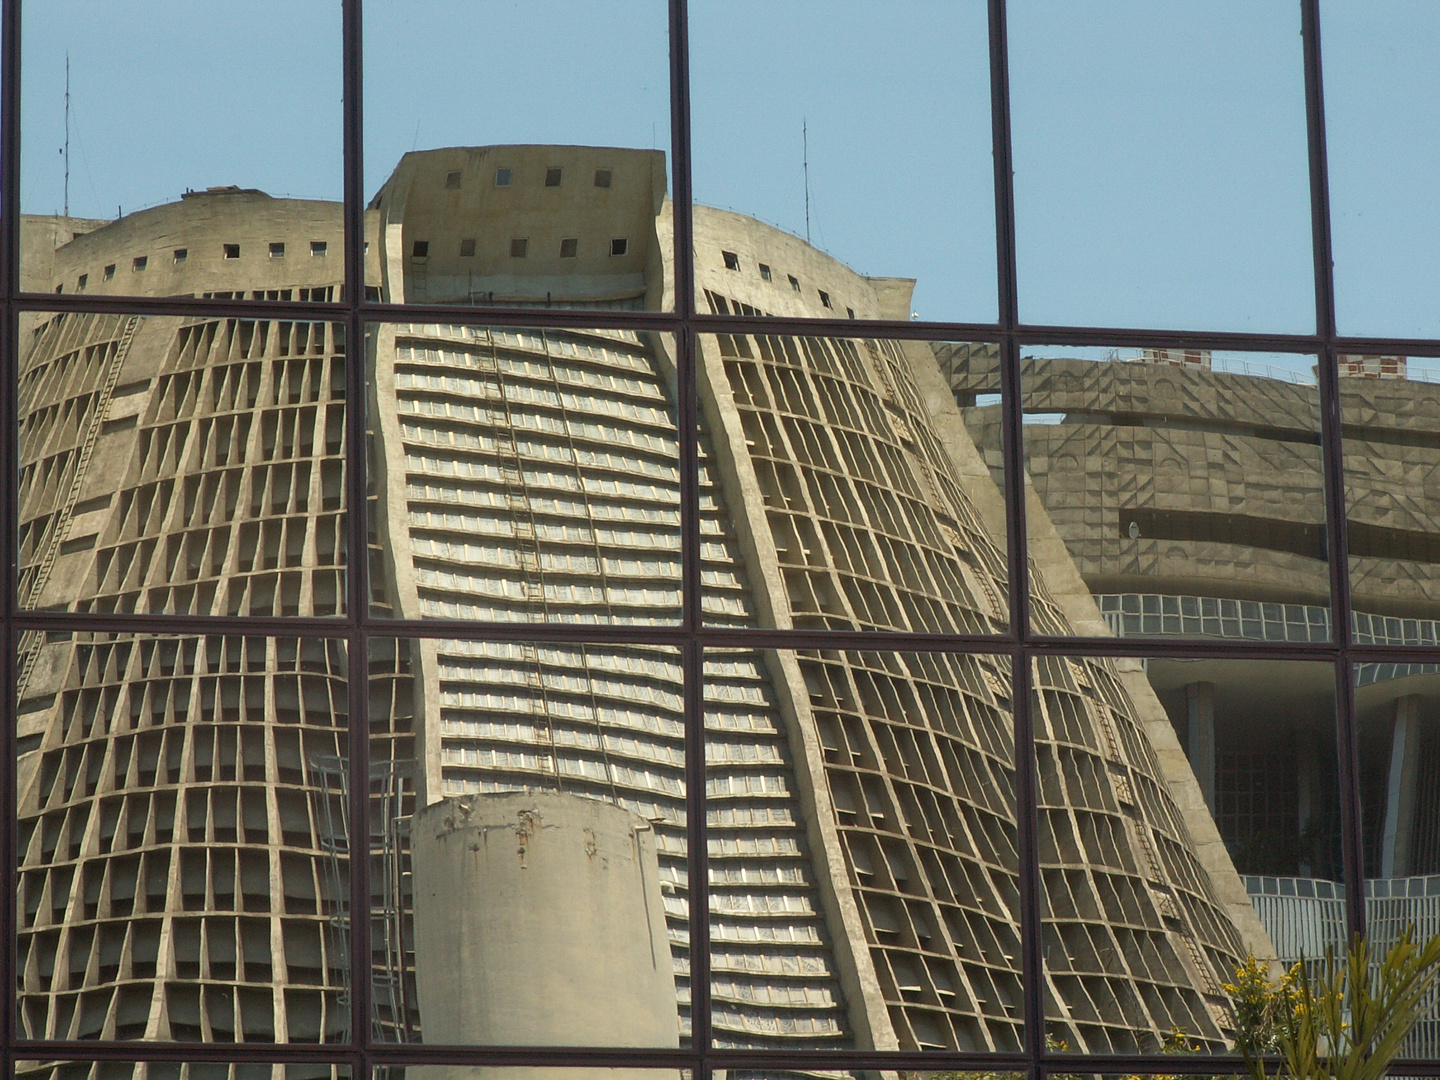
x: 66, y: 151
x: 804, y: 157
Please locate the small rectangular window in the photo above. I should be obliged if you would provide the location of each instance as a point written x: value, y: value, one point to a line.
x: 59, y: 288
x: 139, y: 263
x: 569, y: 247
x: 552, y: 177
x: 602, y: 177
x: 732, y: 261
x: 420, y: 249
x: 467, y: 248
x: 502, y: 177
x: 109, y: 272
x: 794, y: 282
x: 825, y: 298
x: 619, y: 246
x: 518, y: 247
x: 277, y: 251
x: 232, y: 251
x: 452, y: 179
x: 180, y: 254
x: 764, y: 272
x: 318, y: 248
x: 80, y: 285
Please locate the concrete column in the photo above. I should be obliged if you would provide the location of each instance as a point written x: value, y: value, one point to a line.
x: 1400, y: 791
x: 539, y: 920
x: 1307, y: 773
x: 1200, y: 712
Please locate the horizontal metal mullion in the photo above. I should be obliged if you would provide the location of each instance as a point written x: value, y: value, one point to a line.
x: 520, y: 1056
x: 846, y: 328
x: 1387, y: 346
x: 105, y: 623
x: 643, y: 634
x: 898, y: 641
x: 581, y: 318
x: 1393, y: 654
x: 558, y: 317
x: 279, y: 1053
x: 1201, y: 648
x: 1080, y: 336
x: 184, y: 306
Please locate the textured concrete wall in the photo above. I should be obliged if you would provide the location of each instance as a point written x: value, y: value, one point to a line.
x: 539, y: 919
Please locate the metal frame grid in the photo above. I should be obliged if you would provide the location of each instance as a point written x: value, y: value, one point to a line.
x: 357, y: 627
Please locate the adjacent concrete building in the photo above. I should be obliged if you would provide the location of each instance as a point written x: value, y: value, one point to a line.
x: 1188, y: 492
x: 182, y: 812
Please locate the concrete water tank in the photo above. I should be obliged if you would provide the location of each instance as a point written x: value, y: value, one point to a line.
x: 539, y: 920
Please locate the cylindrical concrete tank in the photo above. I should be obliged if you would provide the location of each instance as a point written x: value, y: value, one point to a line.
x: 539, y: 920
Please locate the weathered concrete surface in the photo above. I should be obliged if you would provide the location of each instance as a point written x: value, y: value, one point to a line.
x: 539, y: 920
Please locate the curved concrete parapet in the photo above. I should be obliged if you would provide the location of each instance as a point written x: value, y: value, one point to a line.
x: 539, y: 920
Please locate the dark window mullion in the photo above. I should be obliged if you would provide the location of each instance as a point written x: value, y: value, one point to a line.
x: 9, y: 494
x: 1331, y: 428
x: 357, y: 535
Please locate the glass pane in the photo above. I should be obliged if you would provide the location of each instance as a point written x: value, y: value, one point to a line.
x: 864, y: 871
x: 1400, y: 800
x: 1389, y: 406
x: 182, y: 870
x: 527, y: 475
x: 1382, y: 104
x: 857, y: 497
x: 528, y: 867
x: 1161, y: 173
x: 144, y: 106
x: 824, y: 141
x: 1189, y: 821
x: 182, y: 465
x: 500, y: 217
x: 1176, y: 491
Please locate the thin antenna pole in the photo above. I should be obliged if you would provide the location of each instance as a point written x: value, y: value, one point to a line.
x: 805, y: 161
x: 66, y: 151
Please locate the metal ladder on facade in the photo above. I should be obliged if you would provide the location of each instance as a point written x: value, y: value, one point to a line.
x: 31, y: 643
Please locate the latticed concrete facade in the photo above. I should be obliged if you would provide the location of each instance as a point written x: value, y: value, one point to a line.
x: 177, y: 824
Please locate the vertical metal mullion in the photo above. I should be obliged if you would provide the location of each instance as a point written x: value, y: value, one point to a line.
x: 681, y: 185
x: 357, y: 535
x: 9, y: 510
x: 1000, y: 142
x: 1027, y: 823
x: 1012, y: 452
x: 693, y: 658
x: 696, y: 848
x: 1332, y: 448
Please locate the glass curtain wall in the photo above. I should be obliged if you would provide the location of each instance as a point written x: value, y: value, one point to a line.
x: 703, y: 539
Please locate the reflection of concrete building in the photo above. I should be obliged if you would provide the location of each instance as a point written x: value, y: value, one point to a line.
x: 179, y: 798
x: 1188, y: 492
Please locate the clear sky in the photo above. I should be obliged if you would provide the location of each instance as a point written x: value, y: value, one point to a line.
x: 1159, y: 147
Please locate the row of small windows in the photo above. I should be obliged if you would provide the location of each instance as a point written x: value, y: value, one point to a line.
x: 732, y: 262
x: 504, y: 177
x: 520, y: 247
x: 318, y: 249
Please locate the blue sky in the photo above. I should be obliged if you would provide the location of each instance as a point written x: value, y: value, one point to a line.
x: 1159, y: 147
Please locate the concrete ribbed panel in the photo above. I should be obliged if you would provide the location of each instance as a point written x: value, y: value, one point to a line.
x: 587, y: 415
x: 541, y: 475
